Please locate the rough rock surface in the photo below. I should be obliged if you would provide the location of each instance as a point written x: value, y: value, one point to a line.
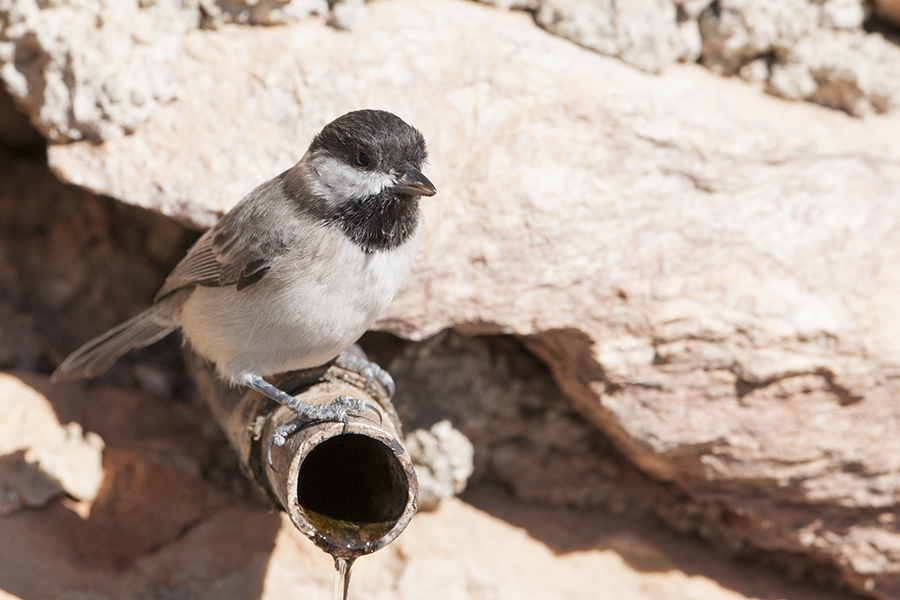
x: 887, y: 9
x: 805, y: 50
x: 72, y: 265
x: 214, y: 13
x: 710, y: 273
x: 443, y: 459
x: 40, y: 459
x: 96, y: 69
x: 159, y: 530
x: 815, y: 50
x: 646, y: 34
x: 156, y: 528
x: 526, y: 436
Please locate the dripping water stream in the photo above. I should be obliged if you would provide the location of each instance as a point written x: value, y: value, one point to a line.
x: 342, y: 566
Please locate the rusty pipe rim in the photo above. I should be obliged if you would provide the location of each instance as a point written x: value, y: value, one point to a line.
x: 350, y: 490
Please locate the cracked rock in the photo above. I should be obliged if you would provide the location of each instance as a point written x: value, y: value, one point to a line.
x: 443, y: 460
x: 40, y: 459
x: 855, y: 72
x: 804, y: 50
x: 815, y: 50
x: 711, y: 274
x: 258, y: 12
x: 95, y: 70
x: 646, y: 33
x: 91, y: 70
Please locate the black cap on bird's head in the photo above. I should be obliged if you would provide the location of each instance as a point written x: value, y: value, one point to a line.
x: 363, y: 173
x: 378, y: 142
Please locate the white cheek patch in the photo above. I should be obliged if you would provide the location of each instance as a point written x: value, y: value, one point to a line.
x: 339, y: 182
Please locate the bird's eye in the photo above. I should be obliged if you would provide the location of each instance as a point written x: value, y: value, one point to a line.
x: 362, y: 159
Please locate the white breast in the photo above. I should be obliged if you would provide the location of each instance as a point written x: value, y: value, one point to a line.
x: 306, y: 310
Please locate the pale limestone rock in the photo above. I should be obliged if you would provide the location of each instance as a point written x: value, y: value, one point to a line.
x: 710, y: 273
x: 692, y: 8
x: 347, y: 14
x: 94, y: 69
x: 443, y: 458
x: 856, y: 72
x: 258, y: 12
x: 526, y: 436
x: 738, y: 31
x: 645, y: 33
x: 843, y: 14
x: 159, y: 531
x: 75, y: 461
x: 40, y: 459
x: 519, y: 4
x: 815, y: 51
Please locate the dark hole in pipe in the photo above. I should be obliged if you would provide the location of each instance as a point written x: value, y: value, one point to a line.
x: 353, y: 478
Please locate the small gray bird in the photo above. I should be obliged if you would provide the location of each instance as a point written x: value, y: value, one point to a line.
x: 298, y: 270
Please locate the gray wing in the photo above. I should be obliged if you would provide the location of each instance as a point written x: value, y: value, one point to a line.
x: 242, y: 246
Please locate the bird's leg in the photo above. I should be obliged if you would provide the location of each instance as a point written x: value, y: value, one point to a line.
x: 371, y: 372
x: 337, y: 410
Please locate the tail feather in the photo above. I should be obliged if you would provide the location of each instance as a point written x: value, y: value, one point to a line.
x: 98, y: 355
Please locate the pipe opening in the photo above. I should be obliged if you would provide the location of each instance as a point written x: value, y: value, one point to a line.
x: 352, y: 478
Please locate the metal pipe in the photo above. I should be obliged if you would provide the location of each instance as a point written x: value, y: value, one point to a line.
x: 351, y: 489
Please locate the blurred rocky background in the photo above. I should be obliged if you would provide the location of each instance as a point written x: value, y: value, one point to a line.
x: 658, y: 294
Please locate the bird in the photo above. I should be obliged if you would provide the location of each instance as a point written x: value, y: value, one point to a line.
x: 297, y: 271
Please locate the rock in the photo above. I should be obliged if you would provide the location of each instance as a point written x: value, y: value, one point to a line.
x: 805, y: 49
x: 347, y: 14
x: 737, y: 31
x: 709, y: 273
x: 526, y: 436
x: 815, y: 51
x: 258, y: 12
x: 72, y: 265
x: 91, y: 70
x: 888, y: 10
x: 843, y: 14
x: 74, y: 462
x: 645, y: 34
x: 41, y: 459
x: 855, y: 72
x: 519, y: 4
x: 160, y: 530
x: 442, y: 457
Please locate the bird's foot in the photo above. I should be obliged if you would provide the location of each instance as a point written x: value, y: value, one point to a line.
x: 365, y: 368
x: 337, y: 411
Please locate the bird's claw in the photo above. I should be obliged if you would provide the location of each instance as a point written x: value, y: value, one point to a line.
x: 373, y: 408
x: 368, y: 370
x: 279, y: 437
x: 336, y: 411
x: 339, y: 409
x: 384, y: 378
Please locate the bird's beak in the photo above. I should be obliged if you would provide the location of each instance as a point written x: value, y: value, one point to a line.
x: 415, y: 183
